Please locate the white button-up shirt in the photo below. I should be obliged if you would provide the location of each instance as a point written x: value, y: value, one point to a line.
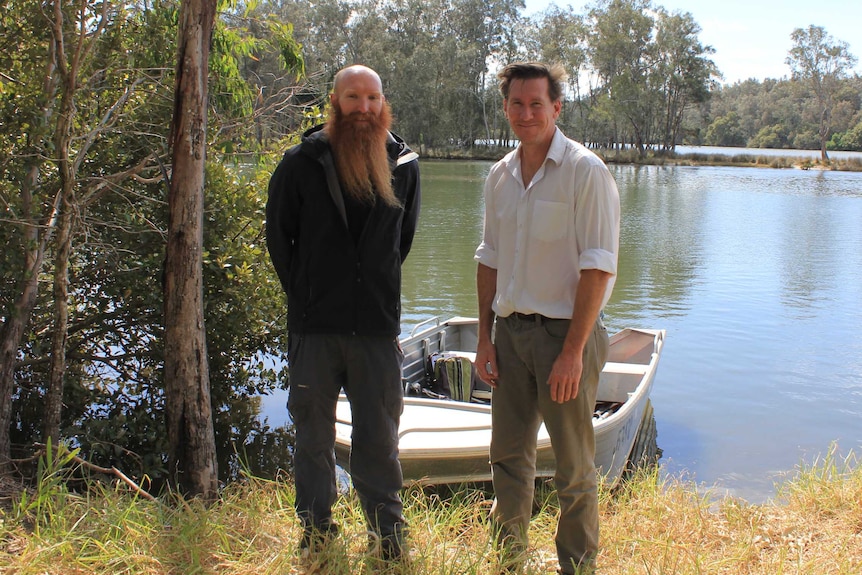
x: 541, y: 236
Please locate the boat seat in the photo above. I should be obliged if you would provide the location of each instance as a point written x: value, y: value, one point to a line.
x: 471, y: 355
x: 625, y: 368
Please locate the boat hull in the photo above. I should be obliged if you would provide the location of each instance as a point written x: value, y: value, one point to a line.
x: 443, y: 441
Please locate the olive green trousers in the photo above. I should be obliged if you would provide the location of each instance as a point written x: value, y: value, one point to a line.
x: 526, y: 348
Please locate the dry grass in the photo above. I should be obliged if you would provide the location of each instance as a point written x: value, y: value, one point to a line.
x: 651, y: 526
x: 814, y: 526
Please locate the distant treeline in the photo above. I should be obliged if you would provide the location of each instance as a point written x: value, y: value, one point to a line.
x: 638, y: 74
x: 776, y: 114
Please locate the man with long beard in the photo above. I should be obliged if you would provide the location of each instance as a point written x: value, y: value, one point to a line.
x: 342, y: 211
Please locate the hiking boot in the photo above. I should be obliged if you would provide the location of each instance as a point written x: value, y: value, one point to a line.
x: 512, y: 552
x: 315, y: 539
x: 389, y: 548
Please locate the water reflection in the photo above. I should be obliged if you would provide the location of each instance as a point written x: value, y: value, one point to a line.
x: 439, y: 272
x: 668, y: 227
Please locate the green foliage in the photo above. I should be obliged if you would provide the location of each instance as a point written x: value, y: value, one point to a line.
x: 229, y: 91
x: 769, y: 137
x: 245, y: 317
x: 851, y: 140
x: 750, y: 110
x: 121, y: 115
x: 652, y: 81
x: 113, y: 394
x: 725, y: 131
x: 806, y: 139
x: 289, y: 49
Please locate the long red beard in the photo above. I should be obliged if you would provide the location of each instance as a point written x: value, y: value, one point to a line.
x: 360, y: 154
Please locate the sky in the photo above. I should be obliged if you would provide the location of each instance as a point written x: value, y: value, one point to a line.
x: 751, y: 38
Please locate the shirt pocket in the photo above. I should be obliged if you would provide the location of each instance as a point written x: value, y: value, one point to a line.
x: 550, y: 220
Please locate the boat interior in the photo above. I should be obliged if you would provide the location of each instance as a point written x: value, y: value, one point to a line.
x: 631, y: 352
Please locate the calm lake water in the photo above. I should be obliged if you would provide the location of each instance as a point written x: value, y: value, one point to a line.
x: 725, y: 151
x: 756, y: 274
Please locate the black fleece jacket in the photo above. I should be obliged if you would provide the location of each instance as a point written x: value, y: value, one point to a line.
x: 335, y: 285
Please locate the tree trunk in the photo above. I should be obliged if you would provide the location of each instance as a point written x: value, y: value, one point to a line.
x: 35, y: 242
x: 824, y: 131
x: 12, y: 331
x: 192, y: 456
x: 66, y: 222
x: 54, y: 392
x: 11, y: 335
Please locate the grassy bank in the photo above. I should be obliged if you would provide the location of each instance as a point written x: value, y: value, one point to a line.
x: 630, y: 156
x: 652, y: 526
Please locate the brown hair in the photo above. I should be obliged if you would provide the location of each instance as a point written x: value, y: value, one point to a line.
x: 555, y: 73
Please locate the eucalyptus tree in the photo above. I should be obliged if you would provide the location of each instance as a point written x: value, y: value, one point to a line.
x: 321, y: 27
x: 315, y: 30
x: 622, y: 53
x: 69, y: 104
x: 258, y: 53
x: 821, y: 61
x: 684, y: 72
x: 652, y: 69
x: 415, y: 67
x: 433, y: 57
x: 485, y: 32
x: 28, y: 97
x: 113, y: 392
x: 192, y: 457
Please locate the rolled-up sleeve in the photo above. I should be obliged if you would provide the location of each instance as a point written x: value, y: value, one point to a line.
x: 486, y: 253
x: 597, y: 222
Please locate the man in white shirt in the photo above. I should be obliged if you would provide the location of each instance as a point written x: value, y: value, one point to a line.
x: 546, y: 268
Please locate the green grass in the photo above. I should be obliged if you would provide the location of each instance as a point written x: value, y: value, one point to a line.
x: 653, y: 525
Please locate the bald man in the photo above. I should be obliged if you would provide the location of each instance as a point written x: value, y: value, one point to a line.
x: 342, y: 211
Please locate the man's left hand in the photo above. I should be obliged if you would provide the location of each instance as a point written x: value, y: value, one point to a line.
x: 565, y: 376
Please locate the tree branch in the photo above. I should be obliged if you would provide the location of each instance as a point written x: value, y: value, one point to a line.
x: 87, y: 465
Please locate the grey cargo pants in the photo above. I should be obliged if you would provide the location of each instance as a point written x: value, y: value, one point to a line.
x: 369, y: 370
